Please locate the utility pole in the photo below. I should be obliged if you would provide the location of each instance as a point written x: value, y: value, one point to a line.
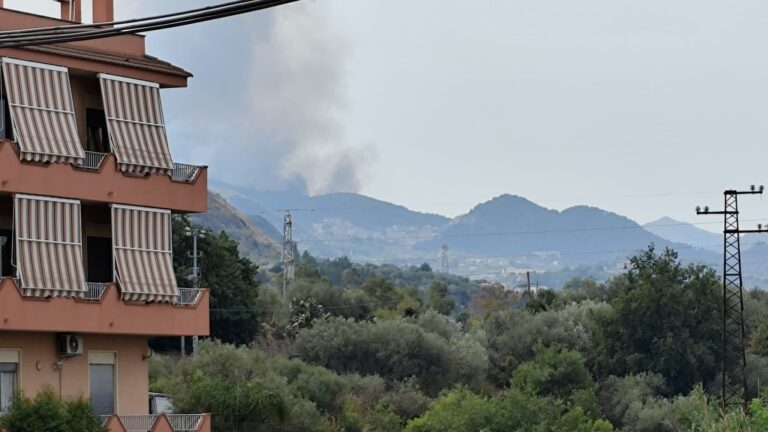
x: 444, y: 258
x: 287, y: 254
x: 195, y: 233
x: 734, y: 378
x: 528, y: 279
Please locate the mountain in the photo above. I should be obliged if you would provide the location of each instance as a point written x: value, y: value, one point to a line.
x: 359, y: 210
x: 504, y: 235
x: 682, y: 232
x: 255, y: 238
x: 512, y: 226
x: 337, y: 224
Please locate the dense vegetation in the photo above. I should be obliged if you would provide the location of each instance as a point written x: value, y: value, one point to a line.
x: 47, y: 412
x: 382, y: 348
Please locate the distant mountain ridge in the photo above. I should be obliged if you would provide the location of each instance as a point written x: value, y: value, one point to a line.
x: 506, y: 232
x: 510, y: 226
x: 686, y: 233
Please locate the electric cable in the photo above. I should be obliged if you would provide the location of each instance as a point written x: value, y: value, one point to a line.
x: 19, y: 40
x: 74, y: 27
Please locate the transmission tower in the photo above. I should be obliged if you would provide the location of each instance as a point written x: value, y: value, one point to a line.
x: 734, y: 364
x: 444, y: 258
x: 287, y: 254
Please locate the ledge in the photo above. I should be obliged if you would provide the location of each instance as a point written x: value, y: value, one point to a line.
x: 105, y: 185
x: 109, y: 316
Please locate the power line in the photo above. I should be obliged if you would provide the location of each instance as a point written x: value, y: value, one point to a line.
x: 80, y: 32
x: 527, y: 254
x: 503, y: 233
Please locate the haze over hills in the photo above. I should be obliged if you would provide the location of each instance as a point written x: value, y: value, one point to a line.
x: 255, y: 240
x: 504, y: 234
x: 686, y: 233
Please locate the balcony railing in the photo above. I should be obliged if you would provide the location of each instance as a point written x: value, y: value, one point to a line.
x: 93, y: 160
x: 184, y: 172
x: 138, y: 423
x: 95, y: 291
x: 148, y: 422
x: 189, y: 296
x: 185, y: 422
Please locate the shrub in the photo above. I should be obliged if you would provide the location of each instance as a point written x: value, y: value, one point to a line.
x: 46, y: 412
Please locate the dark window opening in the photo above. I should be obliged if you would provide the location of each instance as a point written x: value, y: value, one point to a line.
x: 97, y: 136
x: 6, y: 129
x: 99, y: 259
x: 6, y: 249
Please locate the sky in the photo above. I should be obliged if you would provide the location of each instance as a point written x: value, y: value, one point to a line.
x: 643, y: 107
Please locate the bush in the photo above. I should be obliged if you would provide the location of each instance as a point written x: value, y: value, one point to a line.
x: 392, y: 349
x: 460, y: 410
x: 46, y: 412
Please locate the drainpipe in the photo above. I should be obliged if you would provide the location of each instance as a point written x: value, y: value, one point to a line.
x: 59, y: 366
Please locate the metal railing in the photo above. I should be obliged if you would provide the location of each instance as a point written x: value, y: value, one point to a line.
x: 188, y: 296
x: 138, y: 422
x: 184, y: 172
x: 93, y: 160
x: 95, y: 290
x: 185, y: 422
x: 104, y: 419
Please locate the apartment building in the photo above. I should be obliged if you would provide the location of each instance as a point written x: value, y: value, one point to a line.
x: 88, y: 187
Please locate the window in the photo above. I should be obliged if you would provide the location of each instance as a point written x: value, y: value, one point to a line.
x: 101, y: 374
x: 99, y: 259
x: 6, y: 130
x: 96, y: 137
x: 9, y: 367
x: 6, y: 269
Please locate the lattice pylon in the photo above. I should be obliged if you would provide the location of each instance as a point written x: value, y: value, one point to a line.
x: 734, y: 379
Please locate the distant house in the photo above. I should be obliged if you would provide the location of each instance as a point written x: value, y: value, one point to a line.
x: 87, y: 189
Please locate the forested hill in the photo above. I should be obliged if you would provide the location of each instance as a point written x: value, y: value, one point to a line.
x: 513, y: 226
x: 508, y: 231
x: 257, y: 241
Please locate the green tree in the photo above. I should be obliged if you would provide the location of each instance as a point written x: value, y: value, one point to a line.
x: 232, y: 279
x: 553, y: 372
x: 393, y: 349
x: 665, y: 319
x: 233, y: 382
x: 463, y: 411
x: 439, y: 299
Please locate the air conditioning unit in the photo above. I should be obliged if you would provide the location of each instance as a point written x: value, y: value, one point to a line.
x: 70, y: 345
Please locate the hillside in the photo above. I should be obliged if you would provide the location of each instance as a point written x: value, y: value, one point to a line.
x: 255, y: 242
x: 502, y: 236
x: 341, y: 224
x: 512, y: 226
x: 682, y: 232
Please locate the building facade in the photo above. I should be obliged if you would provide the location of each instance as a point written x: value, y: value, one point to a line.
x: 88, y: 187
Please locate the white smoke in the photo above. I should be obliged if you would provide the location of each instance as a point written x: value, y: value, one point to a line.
x: 266, y: 106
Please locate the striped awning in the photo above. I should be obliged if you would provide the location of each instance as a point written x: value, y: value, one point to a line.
x: 49, y: 257
x: 135, y: 124
x: 42, y: 111
x: 141, y: 238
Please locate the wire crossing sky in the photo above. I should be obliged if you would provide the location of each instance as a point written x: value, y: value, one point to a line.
x: 440, y: 105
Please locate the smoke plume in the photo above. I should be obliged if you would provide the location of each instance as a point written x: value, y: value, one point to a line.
x: 266, y: 106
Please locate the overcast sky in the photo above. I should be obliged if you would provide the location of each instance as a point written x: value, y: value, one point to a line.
x: 644, y: 107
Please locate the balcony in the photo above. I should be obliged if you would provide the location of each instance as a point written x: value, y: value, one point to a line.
x: 93, y: 160
x: 158, y: 423
x: 184, y: 172
x: 102, y: 311
x: 98, y: 179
